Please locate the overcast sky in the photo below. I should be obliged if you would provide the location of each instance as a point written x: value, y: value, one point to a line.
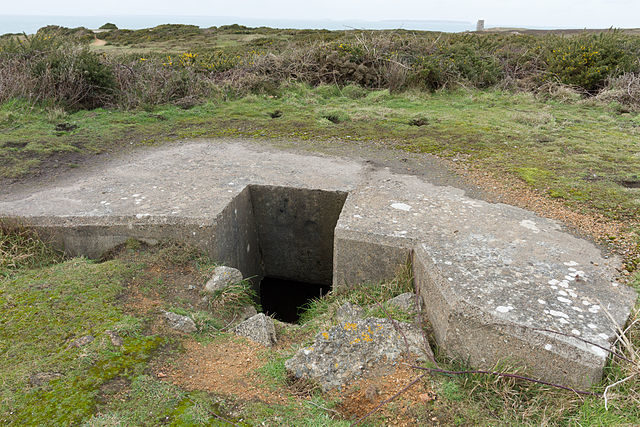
x: 541, y: 13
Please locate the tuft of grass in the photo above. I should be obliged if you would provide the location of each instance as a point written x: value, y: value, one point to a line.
x: 233, y: 298
x: 22, y: 248
x: 365, y: 295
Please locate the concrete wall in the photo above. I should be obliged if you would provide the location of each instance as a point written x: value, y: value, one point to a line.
x: 360, y: 258
x: 295, y: 229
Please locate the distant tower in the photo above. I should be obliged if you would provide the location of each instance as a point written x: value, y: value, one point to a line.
x: 480, y: 25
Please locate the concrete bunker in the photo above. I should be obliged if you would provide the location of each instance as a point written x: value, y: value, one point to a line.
x: 492, y: 277
x: 283, y: 239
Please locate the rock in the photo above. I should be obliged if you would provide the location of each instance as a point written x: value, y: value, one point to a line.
x: 42, y: 378
x: 371, y: 393
x: 406, y: 302
x: 246, y: 312
x: 81, y: 342
x: 223, y: 277
x: 348, y: 312
x: 258, y: 328
x: 114, y: 337
x: 351, y: 349
x: 180, y: 323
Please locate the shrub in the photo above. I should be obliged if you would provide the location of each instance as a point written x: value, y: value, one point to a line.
x: 74, y: 77
x: 46, y: 68
x: 624, y: 89
x: 461, y: 60
x: 109, y: 26
x: 588, y: 60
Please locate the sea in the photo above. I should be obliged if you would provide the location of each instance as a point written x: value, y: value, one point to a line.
x: 29, y: 24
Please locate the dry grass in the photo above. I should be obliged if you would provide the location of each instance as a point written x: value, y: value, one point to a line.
x: 624, y: 89
x: 22, y: 248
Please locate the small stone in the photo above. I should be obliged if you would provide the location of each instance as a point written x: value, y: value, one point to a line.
x: 406, y: 302
x: 258, y: 328
x: 350, y: 349
x: 180, y: 323
x: 223, y: 277
x: 81, y: 342
x: 246, y: 312
x: 42, y: 378
x: 114, y: 337
x: 349, y: 312
x: 371, y: 393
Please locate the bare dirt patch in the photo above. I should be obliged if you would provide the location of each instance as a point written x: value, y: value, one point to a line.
x: 227, y: 367
x: 362, y: 396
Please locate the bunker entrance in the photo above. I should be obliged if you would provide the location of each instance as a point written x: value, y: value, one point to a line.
x: 286, y: 299
x: 293, y: 231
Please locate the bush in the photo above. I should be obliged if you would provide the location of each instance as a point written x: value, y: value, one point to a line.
x: 74, y: 77
x: 46, y: 68
x: 461, y: 60
x: 587, y: 61
x: 109, y: 26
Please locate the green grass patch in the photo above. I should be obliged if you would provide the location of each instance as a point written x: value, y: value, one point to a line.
x: 43, y: 311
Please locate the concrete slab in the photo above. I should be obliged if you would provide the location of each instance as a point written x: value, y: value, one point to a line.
x: 499, y: 283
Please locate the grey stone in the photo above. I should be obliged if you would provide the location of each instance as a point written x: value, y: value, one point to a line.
x: 494, y: 279
x: 180, y: 323
x: 114, y: 337
x: 82, y: 341
x: 246, y: 312
x: 258, y: 328
x: 348, y: 312
x: 223, y: 277
x: 407, y: 302
x: 42, y: 378
x: 353, y: 349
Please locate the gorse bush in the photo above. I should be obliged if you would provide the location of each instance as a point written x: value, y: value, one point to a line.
x: 588, y: 61
x: 54, y: 68
x: 73, y: 77
x: 46, y: 68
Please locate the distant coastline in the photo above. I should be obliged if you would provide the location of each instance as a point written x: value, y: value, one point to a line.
x: 30, y: 24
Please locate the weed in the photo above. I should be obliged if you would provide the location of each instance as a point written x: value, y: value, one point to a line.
x: 233, y: 298
x: 22, y: 248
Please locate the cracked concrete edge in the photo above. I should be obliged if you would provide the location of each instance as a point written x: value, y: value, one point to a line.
x: 465, y: 332
x: 367, y: 258
x: 485, y: 342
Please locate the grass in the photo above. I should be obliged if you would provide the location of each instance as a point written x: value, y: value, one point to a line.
x: 43, y: 310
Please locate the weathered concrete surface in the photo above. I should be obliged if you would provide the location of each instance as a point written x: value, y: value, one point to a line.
x: 495, y: 279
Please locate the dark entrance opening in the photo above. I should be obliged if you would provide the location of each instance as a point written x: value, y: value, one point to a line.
x: 285, y: 299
